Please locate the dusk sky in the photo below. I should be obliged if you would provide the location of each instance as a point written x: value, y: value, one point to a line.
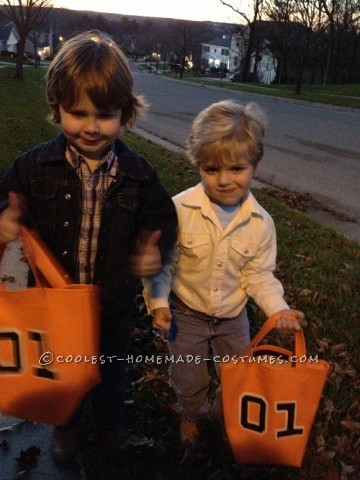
x: 212, y: 10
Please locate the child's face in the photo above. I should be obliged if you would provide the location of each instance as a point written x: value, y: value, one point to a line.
x: 226, y: 184
x: 89, y: 129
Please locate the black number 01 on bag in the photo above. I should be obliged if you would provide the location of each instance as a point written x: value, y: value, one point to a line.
x: 49, y: 337
x: 270, y: 397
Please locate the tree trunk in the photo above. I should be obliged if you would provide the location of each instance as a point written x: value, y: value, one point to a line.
x: 19, y: 72
x: 330, y: 58
x: 247, y: 58
x: 299, y: 76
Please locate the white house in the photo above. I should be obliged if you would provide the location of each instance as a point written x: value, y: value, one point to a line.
x: 223, y: 52
x: 8, y: 37
x: 264, y: 64
x: 37, y: 43
x: 226, y: 52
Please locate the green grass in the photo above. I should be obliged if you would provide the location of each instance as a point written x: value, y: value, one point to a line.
x: 338, y: 95
x: 319, y: 268
x: 23, y: 112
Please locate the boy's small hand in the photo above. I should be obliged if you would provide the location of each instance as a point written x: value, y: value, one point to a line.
x: 146, y: 261
x: 10, y: 218
x: 289, y: 321
x: 162, y: 318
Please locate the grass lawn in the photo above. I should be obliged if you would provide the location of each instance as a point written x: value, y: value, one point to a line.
x: 340, y: 95
x: 320, y: 271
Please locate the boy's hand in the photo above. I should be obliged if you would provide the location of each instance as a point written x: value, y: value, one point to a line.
x: 162, y: 318
x: 10, y: 218
x: 289, y: 322
x: 146, y: 261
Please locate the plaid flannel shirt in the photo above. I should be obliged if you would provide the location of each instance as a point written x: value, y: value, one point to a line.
x: 94, y: 188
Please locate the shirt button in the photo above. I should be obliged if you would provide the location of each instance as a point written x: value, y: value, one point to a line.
x: 67, y: 196
x: 219, y: 264
x: 246, y: 251
x: 64, y: 253
x: 215, y: 289
x: 190, y: 244
x: 66, y: 224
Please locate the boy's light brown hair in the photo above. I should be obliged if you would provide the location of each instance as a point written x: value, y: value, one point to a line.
x: 227, y: 132
x: 93, y: 64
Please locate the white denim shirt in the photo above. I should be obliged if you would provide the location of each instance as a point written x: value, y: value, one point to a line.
x: 215, y: 270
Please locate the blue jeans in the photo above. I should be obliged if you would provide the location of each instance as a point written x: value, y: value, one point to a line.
x: 190, y: 378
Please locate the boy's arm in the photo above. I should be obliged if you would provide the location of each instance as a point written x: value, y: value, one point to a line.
x: 157, y: 289
x: 156, y: 295
x: 259, y: 282
x: 146, y: 260
x: 157, y: 212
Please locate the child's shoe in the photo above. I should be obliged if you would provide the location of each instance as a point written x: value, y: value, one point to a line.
x: 189, y: 430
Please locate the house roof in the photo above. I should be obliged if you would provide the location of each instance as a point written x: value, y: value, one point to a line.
x: 5, y: 30
x: 224, y: 41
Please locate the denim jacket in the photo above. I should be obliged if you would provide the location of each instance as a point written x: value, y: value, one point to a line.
x: 136, y: 200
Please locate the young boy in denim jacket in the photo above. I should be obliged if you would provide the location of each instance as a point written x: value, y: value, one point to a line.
x: 99, y: 206
x: 225, y: 253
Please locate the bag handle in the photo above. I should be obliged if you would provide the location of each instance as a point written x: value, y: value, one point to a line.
x: 41, y: 260
x: 270, y: 324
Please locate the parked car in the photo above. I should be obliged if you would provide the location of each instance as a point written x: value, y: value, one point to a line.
x: 215, y: 72
x: 236, y: 76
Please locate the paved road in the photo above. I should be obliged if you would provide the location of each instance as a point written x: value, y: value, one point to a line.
x: 309, y: 148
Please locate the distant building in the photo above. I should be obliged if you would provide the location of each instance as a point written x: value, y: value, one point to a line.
x: 226, y: 53
x: 8, y: 37
x: 37, y: 43
x: 263, y: 64
x: 223, y: 52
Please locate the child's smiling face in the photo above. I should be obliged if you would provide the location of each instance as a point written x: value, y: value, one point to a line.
x: 88, y: 128
x: 226, y: 184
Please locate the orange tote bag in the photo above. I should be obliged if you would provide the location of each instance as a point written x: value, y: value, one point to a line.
x: 49, y: 341
x: 270, y: 397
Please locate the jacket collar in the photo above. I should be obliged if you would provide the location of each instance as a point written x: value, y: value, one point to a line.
x: 129, y: 167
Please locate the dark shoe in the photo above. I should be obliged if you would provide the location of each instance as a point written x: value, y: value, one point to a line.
x: 64, y: 445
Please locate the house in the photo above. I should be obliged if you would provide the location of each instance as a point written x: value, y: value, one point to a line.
x: 42, y: 43
x: 223, y: 52
x: 263, y: 64
x: 227, y: 52
x: 37, y: 43
x: 8, y: 37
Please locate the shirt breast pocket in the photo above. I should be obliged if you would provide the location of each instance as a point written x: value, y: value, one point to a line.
x: 194, y: 248
x: 243, y: 251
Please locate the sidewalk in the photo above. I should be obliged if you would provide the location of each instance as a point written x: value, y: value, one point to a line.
x: 348, y: 229
x: 18, y: 436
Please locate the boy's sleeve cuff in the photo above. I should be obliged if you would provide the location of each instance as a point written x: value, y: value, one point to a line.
x: 158, y: 303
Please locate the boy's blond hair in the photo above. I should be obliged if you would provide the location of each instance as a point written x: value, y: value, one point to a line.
x: 226, y: 132
x: 93, y: 64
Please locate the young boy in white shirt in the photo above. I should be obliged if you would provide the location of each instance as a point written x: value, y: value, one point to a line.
x: 225, y: 253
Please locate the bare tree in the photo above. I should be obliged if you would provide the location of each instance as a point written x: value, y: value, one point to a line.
x: 341, y: 17
x: 27, y: 15
x: 299, y: 22
x: 182, y: 35
x: 251, y: 19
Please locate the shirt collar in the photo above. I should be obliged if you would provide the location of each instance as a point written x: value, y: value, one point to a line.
x: 198, y: 198
x: 110, y: 159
